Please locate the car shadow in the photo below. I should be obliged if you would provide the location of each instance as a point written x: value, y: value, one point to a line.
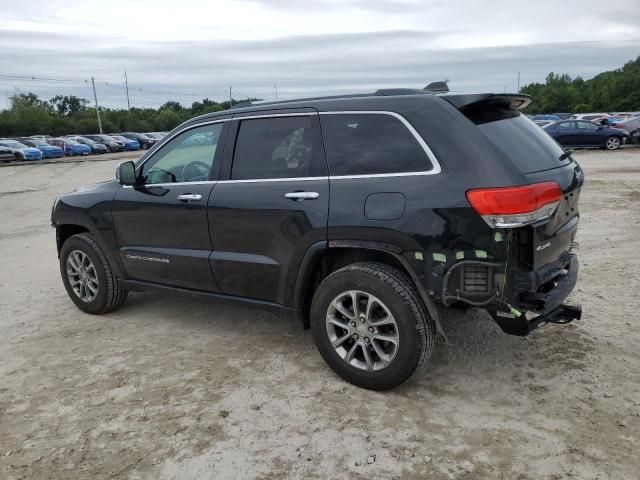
x: 475, y: 344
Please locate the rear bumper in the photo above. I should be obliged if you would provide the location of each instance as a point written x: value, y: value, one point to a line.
x: 542, y: 307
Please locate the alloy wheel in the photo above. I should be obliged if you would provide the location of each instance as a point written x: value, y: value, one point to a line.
x: 613, y: 143
x: 362, y: 330
x: 82, y: 276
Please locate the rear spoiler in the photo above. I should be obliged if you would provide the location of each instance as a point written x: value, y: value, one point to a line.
x: 503, y: 101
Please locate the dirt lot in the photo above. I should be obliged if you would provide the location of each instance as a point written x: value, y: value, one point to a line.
x: 181, y: 388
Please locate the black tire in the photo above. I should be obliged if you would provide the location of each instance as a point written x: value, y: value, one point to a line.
x: 416, y: 329
x: 112, y: 291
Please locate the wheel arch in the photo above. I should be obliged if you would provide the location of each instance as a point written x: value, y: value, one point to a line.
x: 66, y: 230
x: 319, y: 262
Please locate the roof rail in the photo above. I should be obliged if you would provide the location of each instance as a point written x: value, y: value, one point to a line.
x: 400, y: 91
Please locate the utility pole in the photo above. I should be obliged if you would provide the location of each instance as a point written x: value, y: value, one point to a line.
x: 230, y: 98
x: 275, y: 87
x: 126, y: 87
x: 518, y: 82
x: 95, y: 97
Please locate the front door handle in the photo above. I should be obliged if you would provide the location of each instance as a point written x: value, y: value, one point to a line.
x: 189, y: 197
x: 300, y: 196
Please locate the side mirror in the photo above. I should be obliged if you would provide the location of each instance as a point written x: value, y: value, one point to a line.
x: 126, y: 173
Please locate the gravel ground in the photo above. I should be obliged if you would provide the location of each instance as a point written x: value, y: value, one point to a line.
x: 175, y: 388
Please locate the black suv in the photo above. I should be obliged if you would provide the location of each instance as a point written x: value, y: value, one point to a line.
x: 144, y: 141
x: 362, y: 216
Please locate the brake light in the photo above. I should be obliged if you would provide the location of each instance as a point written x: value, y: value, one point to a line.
x: 509, y: 207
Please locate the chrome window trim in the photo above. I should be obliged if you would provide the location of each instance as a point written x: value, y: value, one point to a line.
x: 432, y: 158
x: 430, y: 155
x: 275, y: 115
x: 285, y: 179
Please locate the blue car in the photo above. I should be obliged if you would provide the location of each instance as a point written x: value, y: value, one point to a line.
x: 48, y: 151
x: 128, y: 143
x: 70, y: 147
x: 585, y: 134
x: 21, y: 151
x: 545, y: 117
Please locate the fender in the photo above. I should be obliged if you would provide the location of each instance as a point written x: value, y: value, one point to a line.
x: 396, y: 252
x: 98, y: 236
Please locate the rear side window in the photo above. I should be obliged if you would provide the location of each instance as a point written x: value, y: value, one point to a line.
x: 278, y: 147
x: 566, y: 126
x: 529, y: 147
x: 361, y: 144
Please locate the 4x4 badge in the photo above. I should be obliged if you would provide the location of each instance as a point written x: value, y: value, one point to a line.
x: 542, y: 247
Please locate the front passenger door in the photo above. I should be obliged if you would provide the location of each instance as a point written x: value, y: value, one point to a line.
x: 161, y: 225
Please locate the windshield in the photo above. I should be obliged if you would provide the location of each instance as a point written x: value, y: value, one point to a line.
x: 529, y: 147
x: 70, y: 142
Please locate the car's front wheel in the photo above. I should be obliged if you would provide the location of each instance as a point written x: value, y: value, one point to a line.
x: 87, y: 276
x: 370, y: 325
x: 612, y: 143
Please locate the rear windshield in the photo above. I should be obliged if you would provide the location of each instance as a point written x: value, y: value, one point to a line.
x: 528, y: 146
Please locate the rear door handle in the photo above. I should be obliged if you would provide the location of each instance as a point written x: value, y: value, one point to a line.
x: 189, y: 197
x: 300, y: 196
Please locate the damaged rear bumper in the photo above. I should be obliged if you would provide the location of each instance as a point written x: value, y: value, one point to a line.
x: 540, y: 308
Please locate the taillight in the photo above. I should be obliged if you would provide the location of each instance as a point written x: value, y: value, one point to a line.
x: 509, y: 207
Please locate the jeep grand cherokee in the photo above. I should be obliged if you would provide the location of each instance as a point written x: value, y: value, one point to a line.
x: 361, y: 215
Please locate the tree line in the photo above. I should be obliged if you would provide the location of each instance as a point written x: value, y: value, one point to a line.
x: 61, y: 115
x: 614, y: 91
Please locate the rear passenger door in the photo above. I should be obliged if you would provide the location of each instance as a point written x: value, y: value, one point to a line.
x: 270, y: 206
x: 566, y: 134
x: 589, y: 133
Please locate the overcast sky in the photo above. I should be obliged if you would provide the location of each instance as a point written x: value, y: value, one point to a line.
x: 308, y: 47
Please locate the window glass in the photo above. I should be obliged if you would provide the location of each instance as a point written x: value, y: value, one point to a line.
x: 361, y: 144
x: 186, y: 158
x: 278, y: 147
x: 565, y: 126
x: 587, y: 126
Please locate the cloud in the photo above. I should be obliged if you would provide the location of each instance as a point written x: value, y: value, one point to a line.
x: 403, y: 43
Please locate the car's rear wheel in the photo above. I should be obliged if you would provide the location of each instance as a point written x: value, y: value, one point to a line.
x: 87, y: 276
x: 370, y: 325
x: 612, y: 143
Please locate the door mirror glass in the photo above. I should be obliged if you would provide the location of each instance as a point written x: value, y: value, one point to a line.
x: 126, y: 173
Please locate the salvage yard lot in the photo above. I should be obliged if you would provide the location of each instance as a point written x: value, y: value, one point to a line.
x: 174, y: 387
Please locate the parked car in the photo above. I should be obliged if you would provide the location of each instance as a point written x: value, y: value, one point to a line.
x: 562, y: 116
x: 128, y: 143
x: 20, y: 150
x: 6, y: 154
x: 588, y: 116
x: 71, y: 147
x: 340, y: 214
x: 48, y: 151
x: 542, y: 123
x: 606, y: 121
x: 144, y: 140
x: 94, y: 146
x: 585, y: 134
x: 545, y: 117
x: 629, y: 125
x: 111, y: 143
x: 155, y: 135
